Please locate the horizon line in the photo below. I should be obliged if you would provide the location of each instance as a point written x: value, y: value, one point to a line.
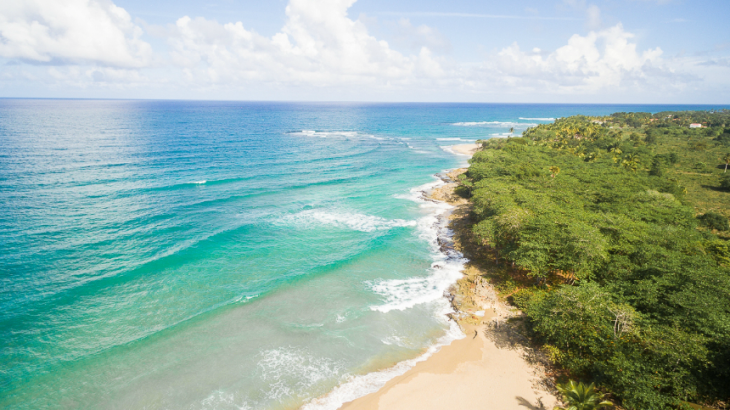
x: 351, y: 101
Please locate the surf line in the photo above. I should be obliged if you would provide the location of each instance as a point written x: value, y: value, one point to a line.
x: 445, y: 270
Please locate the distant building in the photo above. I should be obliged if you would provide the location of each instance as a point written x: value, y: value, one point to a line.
x: 695, y: 125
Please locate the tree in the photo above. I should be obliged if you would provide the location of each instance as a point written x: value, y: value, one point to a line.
x: 656, y: 167
x: 726, y: 158
x: 631, y: 162
x: 651, y: 137
x: 714, y: 220
x: 616, y: 152
x: 578, y: 396
x: 725, y: 182
x: 554, y: 171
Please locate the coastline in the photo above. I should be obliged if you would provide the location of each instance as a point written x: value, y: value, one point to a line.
x: 490, y: 366
x: 465, y: 149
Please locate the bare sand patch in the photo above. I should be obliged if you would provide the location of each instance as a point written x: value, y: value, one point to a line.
x: 465, y: 149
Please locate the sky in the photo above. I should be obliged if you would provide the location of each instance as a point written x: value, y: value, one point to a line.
x: 547, y: 51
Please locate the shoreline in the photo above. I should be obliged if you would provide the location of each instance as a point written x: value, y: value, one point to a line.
x: 489, y: 368
x: 465, y: 149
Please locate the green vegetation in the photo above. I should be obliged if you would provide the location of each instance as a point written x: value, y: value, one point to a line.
x: 612, y: 237
x: 580, y: 396
x: 713, y: 220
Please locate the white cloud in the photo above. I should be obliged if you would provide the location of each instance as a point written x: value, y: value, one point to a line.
x: 318, y: 45
x: 71, y: 31
x: 600, y: 60
x: 321, y: 53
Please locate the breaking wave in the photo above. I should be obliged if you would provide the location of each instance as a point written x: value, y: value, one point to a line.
x: 494, y: 124
x: 401, y: 294
x: 349, y: 220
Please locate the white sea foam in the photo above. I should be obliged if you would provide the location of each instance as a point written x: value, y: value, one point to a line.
x: 359, y: 386
x: 538, y: 119
x: 293, y: 371
x: 401, y: 294
x: 200, y: 182
x: 454, y: 139
x: 328, y: 134
x: 222, y: 400
x: 242, y: 297
x: 450, y: 150
x: 343, y: 219
x: 494, y: 124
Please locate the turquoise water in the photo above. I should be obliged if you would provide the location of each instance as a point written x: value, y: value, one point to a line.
x: 224, y: 255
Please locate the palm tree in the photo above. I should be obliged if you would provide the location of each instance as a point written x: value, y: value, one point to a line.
x: 726, y: 158
x: 579, y: 396
x: 631, y: 162
x: 511, y: 130
x: 616, y: 152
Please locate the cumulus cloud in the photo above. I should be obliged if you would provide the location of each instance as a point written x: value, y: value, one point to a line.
x: 322, y: 53
x: 600, y: 60
x: 318, y: 45
x: 71, y: 31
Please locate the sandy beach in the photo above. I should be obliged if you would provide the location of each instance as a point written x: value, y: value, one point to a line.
x: 491, y: 368
x: 465, y: 149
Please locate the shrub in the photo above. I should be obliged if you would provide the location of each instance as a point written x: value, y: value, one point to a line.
x: 714, y: 220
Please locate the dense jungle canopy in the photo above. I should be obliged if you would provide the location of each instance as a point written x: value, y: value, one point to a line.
x: 611, y: 234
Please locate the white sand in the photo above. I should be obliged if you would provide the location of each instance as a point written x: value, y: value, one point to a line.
x: 465, y: 149
x: 471, y: 373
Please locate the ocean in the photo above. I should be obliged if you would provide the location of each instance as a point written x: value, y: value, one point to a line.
x: 228, y: 255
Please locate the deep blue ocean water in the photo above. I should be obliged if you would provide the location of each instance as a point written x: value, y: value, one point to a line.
x: 216, y: 255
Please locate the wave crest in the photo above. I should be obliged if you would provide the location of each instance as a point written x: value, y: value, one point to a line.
x: 349, y: 220
x: 494, y: 124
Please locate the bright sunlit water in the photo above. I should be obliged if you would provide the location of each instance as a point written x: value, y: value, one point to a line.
x: 222, y: 255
